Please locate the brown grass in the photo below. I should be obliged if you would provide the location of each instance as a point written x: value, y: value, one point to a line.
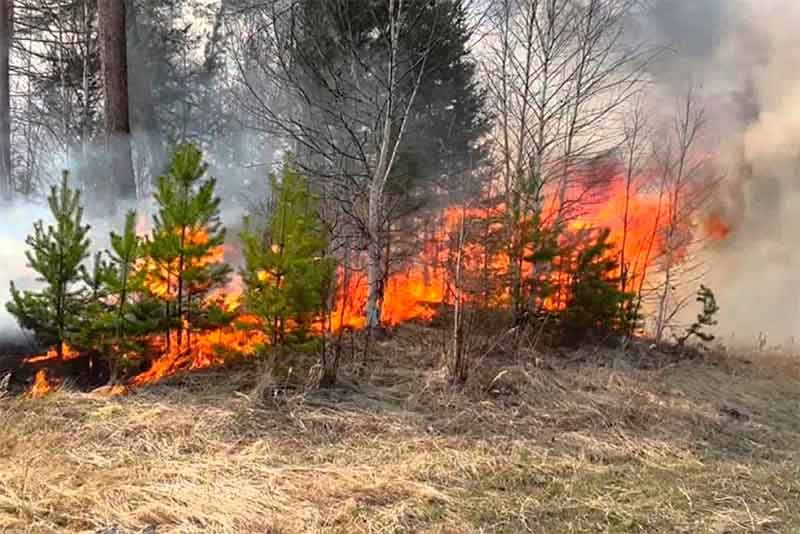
x: 535, y: 444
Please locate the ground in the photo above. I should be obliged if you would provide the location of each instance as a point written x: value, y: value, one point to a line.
x: 585, y: 441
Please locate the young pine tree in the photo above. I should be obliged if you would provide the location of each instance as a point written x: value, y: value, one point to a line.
x: 286, y: 274
x: 57, y: 253
x: 185, y: 249
x: 120, y: 310
x: 92, y: 332
x: 542, y: 247
x: 595, y: 298
x: 706, y: 319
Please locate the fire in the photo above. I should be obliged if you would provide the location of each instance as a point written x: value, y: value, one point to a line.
x: 229, y: 298
x: 418, y: 289
x: 41, y: 386
x: 716, y: 227
x: 203, y: 350
x: 161, y: 278
x: 635, y: 221
x: 52, y: 354
x: 639, y: 239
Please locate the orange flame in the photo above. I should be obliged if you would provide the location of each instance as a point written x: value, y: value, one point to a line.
x: 717, y: 228
x: 68, y: 352
x: 41, y: 386
x: 203, y: 350
x: 417, y: 291
x: 161, y: 278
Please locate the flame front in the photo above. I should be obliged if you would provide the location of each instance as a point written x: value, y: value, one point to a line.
x: 202, y: 349
x: 424, y: 283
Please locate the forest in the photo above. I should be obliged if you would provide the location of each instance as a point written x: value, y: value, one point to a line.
x: 394, y: 233
x: 408, y: 178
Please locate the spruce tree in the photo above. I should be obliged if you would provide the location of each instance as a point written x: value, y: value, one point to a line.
x: 185, y: 248
x: 286, y: 273
x: 57, y: 253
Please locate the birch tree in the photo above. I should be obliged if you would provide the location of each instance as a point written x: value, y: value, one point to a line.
x: 341, y: 81
x: 688, y: 180
x: 558, y: 73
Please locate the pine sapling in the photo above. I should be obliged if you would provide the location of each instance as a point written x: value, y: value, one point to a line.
x: 56, y: 254
x: 185, y: 251
x: 705, y: 319
x: 287, y: 276
x: 595, y: 297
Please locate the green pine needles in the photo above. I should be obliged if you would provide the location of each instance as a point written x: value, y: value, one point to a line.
x: 706, y: 319
x: 595, y: 298
x: 139, y: 286
x: 185, y: 249
x: 122, y: 311
x: 287, y: 275
x: 56, y: 254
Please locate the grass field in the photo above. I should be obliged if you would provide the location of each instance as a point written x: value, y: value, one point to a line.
x: 591, y: 441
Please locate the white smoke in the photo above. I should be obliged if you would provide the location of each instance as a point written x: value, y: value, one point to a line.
x: 743, y: 55
x: 17, y: 224
x: 240, y: 187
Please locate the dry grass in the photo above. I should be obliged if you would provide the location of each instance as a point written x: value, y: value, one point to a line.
x: 595, y: 445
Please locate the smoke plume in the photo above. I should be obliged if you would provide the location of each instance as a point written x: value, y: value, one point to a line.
x: 743, y: 55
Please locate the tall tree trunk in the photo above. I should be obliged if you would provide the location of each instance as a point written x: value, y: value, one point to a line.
x: 6, y: 29
x: 142, y: 100
x: 115, y: 80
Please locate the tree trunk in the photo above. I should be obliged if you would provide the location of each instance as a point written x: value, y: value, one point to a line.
x: 6, y: 29
x: 459, y: 365
x: 115, y: 80
x: 142, y: 101
x: 374, y: 261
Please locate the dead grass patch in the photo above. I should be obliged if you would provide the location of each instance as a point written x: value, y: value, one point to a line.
x: 536, y: 444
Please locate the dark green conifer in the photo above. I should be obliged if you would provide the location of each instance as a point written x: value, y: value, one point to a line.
x: 121, y: 309
x: 705, y: 319
x: 595, y: 299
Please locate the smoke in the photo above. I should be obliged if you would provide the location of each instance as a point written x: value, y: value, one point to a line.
x: 241, y: 184
x: 742, y: 54
x: 17, y: 225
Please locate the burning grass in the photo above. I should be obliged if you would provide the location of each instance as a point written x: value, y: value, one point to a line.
x: 589, y: 442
